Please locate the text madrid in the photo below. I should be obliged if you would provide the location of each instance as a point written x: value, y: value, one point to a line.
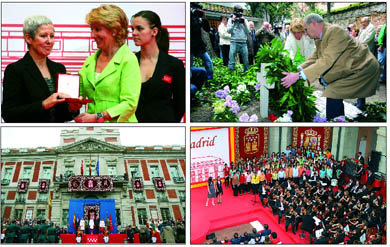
x: 203, y: 142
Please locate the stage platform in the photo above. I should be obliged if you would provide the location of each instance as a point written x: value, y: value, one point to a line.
x: 233, y: 211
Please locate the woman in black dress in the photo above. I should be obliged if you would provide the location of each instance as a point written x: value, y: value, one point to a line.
x: 162, y: 96
x: 219, y: 189
x: 211, y: 191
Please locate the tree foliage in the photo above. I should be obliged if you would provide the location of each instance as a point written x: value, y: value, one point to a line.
x: 273, y: 12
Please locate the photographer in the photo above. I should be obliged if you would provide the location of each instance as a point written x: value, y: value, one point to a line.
x: 264, y: 35
x: 198, y: 47
x: 238, y: 28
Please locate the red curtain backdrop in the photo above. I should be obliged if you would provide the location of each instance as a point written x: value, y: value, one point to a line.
x: 251, y: 141
x: 312, y: 137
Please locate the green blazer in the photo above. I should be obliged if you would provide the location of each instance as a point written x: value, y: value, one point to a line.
x: 116, y: 89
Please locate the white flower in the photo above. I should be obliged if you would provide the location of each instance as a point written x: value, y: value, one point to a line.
x: 241, y: 88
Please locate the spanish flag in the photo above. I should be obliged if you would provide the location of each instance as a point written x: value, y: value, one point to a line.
x: 90, y: 168
x: 74, y: 221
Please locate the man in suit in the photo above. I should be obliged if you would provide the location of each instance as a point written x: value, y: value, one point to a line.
x: 11, y: 233
x: 360, y: 158
x: 345, y: 68
x: 96, y: 225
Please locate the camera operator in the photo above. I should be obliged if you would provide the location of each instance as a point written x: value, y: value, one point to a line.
x: 198, y: 47
x: 238, y: 28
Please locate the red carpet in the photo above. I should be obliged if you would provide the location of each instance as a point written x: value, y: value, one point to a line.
x: 233, y: 211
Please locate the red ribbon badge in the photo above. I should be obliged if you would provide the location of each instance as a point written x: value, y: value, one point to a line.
x: 167, y: 78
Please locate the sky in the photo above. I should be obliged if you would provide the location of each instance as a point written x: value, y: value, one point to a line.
x: 30, y: 137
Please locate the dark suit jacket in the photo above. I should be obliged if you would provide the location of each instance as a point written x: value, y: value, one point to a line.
x: 24, y: 89
x: 162, y: 97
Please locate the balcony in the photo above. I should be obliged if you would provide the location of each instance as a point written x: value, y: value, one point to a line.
x: 20, y: 200
x: 43, y: 200
x: 140, y: 200
x: 178, y: 180
x: 5, y: 181
x: 162, y: 199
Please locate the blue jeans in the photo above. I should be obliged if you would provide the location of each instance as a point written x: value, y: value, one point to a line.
x: 334, y: 107
x: 197, y: 78
x: 382, y: 62
x: 234, y: 49
x: 207, y: 62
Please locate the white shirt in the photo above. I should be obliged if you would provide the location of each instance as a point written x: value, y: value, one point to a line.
x: 306, y: 45
x: 224, y: 36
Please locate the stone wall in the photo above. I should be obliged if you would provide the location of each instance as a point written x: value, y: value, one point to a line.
x: 376, y: 12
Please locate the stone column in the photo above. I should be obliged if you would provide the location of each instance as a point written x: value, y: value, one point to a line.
x: 126, y: 212
x: 286, y: 139
x: 56, y: 212
x: 273, y: 143
x: 381, y: 147
x: 345, y: 144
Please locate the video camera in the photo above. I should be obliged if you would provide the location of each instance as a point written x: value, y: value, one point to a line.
x: 238, y: 12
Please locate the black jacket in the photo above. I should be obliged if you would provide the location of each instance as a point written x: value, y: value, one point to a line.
x: 24, y: 89
x: 162, y: 98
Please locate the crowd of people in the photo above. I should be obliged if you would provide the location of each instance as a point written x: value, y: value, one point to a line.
x: 41, y: 231
x: 312, y: 38
x: 170, y: 232
x: 332, y: 201
x: 148, y: 86
x: 30, y: 231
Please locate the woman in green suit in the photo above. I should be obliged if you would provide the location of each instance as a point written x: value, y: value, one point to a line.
x: 111, y: 77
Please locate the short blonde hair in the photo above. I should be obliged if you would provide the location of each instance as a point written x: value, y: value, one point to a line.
x: 113, y: 18
x: 297, y: 25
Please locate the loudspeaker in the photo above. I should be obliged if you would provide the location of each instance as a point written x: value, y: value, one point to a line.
x: 374, y: 162
x: 210, y: 236
x: 350, y: 168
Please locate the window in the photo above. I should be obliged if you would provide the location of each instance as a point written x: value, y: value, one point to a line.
x: 118, y: 216
x: 21, y: 197
x: 139, y: 196
x: 29, y: 214
x: 65, y: 213
x: 165, y: 214
x: 162, y: 197
x: 8, y: 173
x: 69, y: 170
x: 93, y: 168
x: 142, y: 216
x: 134, y: 172
x: 182, y: 195
x: 155, y: 172
x: 27, y: 172
x: 18, y: 213
x: 111, y: 170
x: 46, y: 172
x: 43, y: 197
x: 41, y: 214
x: 174, y: 171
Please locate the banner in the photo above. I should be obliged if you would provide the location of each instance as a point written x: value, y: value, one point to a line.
x: 44, y: 185
x: 159, y: 184
x: 312, y: 137
x: 210, y: 150
x: 90, y: 184
x: 138, y: 184
x: 251, y: 141
x: 23, y: 185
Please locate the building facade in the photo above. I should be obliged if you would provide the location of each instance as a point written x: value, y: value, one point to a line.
x: 35, y: 182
